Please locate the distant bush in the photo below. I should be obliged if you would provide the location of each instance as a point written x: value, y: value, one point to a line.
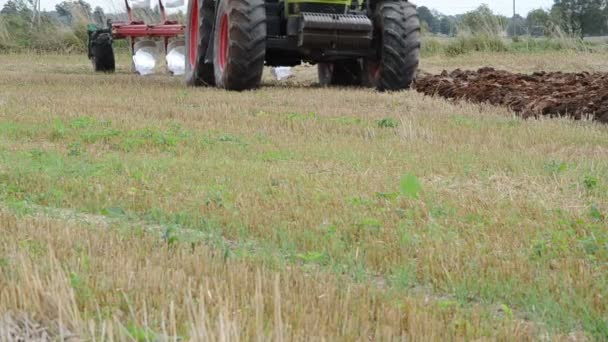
x: 464, y: 44
x: 530, y: 44
x: 18, y: 33
x: 54, y: 33
x: 480, y: 30
x: 554, y: 40
x: 432, y: 46
x: 483, y: 21
x: 483, y: 31
x: 475, y: 43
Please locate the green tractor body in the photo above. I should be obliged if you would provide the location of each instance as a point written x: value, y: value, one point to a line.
x: 369, y: 43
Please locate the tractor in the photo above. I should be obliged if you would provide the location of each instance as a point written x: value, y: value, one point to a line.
x: 372, y: 43
x: 369, y: 43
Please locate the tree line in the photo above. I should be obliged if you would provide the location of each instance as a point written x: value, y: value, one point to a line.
x: 26, y: 27
x: 61, y: 29
x: 64, y: 28
x: 574, y: 17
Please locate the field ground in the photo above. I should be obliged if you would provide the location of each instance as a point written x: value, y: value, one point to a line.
x: 138, y: 209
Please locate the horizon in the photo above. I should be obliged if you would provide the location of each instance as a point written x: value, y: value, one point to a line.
x: 446, y: 7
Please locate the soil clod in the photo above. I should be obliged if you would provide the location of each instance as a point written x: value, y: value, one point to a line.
x: 556, y: 94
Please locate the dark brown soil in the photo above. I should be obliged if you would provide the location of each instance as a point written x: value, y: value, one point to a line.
x: 576, y: 95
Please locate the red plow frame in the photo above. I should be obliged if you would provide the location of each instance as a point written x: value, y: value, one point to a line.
x: 139, y: 29
x: 101, y: 51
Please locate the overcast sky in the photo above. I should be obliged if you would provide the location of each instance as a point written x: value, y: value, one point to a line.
x: 445, y: 6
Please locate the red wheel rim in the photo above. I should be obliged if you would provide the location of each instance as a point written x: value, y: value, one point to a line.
x: 193, y: 33
x: 223, y: 42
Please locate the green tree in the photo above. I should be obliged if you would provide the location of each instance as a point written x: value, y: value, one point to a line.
x: 69, y: 11
x: 581, y: 17
x: 483, y: 20
x: 537, y: 22
x: 447, y: 25
x: 593, y: 19
x: 17, y: 7
x: 99, y: 16
x: 517, y: 26
x: 426, y: 18
x: 9, y: 8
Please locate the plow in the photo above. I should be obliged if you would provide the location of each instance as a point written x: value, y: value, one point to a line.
x: 141, y: 36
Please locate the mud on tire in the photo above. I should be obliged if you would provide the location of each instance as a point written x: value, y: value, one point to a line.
x: 239, y: 44
x: 199, y: 32
x: 397, y: 41
x: 342, y: 73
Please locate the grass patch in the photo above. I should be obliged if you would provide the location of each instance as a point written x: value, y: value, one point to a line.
x: 366, y: 207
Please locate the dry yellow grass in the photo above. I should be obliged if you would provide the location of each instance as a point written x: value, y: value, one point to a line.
x: 74, y: 280
x: 123, y: 195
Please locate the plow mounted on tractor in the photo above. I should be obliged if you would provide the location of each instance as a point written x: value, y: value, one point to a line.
x: 139, y: 34
x: 373, y: 43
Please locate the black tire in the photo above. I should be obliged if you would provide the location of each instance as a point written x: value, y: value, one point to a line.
x: 397, y: 41
x: 343, y: 73
x: 102, y: 53
x: 199, y: 31
x: 239, y: 44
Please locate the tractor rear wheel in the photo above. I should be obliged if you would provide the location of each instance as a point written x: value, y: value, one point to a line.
x: 199, y: 32
x: 239, y: 44
x: 102, y: 53
x: 397, y: 41
x: 343, y: 73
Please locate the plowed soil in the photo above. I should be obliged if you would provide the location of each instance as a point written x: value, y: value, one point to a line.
x: 576, y: 95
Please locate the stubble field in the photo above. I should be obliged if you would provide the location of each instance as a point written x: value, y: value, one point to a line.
x: 139, y: 209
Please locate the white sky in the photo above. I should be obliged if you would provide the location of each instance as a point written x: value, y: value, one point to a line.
x: 445, y: 6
